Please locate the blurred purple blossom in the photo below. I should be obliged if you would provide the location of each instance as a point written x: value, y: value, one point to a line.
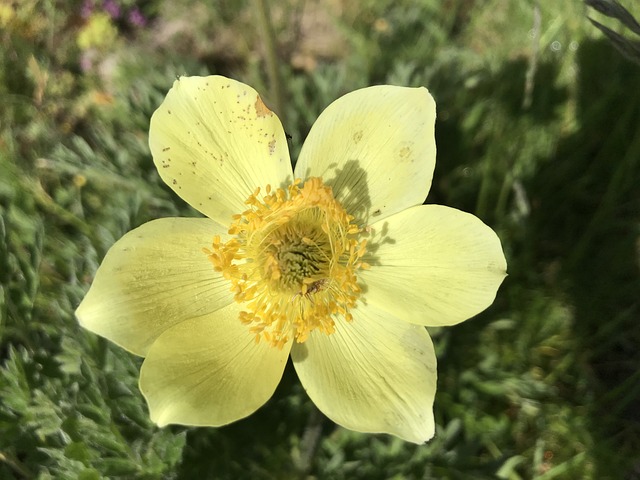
x: 87, y: 9
x: 112, y: 8
x: 134, y: 16
x: 137, y: 18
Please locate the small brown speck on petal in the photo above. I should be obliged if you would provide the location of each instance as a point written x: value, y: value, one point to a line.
x: 261, y: 108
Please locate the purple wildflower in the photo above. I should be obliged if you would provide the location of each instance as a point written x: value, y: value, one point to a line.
x: 112, y: 8
x: 87, y: 9
x: 137, y: 18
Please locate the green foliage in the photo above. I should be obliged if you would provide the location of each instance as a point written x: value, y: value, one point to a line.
x: 537, y: 134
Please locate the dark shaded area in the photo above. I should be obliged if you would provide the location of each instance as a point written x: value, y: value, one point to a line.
x: 495, y: 96
x: 580, y: 240
x: 507, y: 88
x: 592, y: 233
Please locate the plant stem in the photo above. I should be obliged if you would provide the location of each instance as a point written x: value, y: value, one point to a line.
x: 273, y: 72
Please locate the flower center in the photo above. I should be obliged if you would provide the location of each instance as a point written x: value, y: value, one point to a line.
x: 292, y: 262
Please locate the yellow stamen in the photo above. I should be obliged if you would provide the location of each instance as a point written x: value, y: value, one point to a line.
x: 292, y: 262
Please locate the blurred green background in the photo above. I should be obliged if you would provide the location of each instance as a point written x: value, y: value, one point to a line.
x: 538, y: 134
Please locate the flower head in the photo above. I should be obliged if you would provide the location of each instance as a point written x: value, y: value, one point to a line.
x: 337, y: 263
x: 292, y: 262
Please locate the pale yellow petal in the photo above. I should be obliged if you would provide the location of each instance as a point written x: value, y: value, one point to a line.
x: 376, y: 148
x: 376, y: 374
x: 152, y: 278
x: 214, y: 142
x: 433, y: 265
x: 208, y: 371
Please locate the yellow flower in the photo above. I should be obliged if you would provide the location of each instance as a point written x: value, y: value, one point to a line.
x: 337, y: 263
x: 99, y: 32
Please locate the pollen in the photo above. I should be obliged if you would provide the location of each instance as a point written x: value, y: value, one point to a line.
x: 292, y: 262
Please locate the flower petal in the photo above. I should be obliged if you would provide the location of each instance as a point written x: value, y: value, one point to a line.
x: 152, y: 278
x: 433, y: 265
x: 374, y: 374
x: 209, y: 371
x: 214, y: 142
x: 376, y: 148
